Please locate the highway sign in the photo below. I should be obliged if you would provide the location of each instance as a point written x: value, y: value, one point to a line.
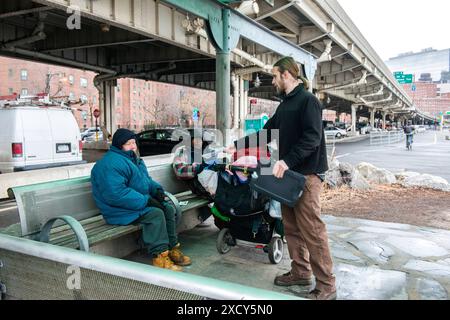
x: 404, y: 78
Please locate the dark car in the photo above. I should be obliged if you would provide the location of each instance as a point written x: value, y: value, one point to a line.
x: 163, y: 141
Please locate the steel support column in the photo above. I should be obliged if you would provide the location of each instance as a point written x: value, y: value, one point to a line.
x: 107, y: 104
x: 372, y: 117
x: 354, y: 107
x: 223, y: 78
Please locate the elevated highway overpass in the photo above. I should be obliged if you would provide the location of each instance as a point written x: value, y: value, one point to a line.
x: 206, y: 44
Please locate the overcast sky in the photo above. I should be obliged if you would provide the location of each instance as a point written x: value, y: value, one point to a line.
x: 397, y: 26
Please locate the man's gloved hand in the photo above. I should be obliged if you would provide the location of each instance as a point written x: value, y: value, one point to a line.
x: 152, y: 202
x: 160, y: 195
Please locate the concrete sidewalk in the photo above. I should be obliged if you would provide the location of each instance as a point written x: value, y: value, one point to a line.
x: 373, y: 260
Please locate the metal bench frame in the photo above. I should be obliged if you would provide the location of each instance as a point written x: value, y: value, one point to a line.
x: 39, y: 222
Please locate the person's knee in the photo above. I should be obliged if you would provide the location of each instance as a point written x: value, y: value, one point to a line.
x: 155, y: 214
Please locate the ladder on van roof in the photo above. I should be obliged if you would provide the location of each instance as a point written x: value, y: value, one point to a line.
x: 38, y: 100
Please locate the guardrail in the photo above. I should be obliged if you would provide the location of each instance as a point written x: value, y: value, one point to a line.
x: 36, y: 270
x: 386, y: 137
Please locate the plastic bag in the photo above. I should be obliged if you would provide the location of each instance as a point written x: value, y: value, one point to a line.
x: 208, y: 179
x: 275, y: 209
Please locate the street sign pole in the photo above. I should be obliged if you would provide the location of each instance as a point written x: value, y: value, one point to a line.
x: 96, y: 115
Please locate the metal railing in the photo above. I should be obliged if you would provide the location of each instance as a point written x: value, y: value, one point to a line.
x: 36, y: 270
x: 386, y: 137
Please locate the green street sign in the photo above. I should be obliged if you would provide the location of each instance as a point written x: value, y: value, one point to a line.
x: 398, y: 74
x: 404, y: 78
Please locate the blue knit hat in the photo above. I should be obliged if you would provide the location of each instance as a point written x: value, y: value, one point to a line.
x: 121, y: 137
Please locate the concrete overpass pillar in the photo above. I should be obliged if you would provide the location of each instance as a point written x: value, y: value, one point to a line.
x: 372, y: 117
x: 384, y: 120
x: 242, y: 111
x: 354, y: 107
x: 223, y: 118
x: 107, y: 103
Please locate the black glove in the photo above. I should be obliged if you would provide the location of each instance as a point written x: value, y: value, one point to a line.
x: 160, y: 195
x: 152, y: 202
x: 201, y: 167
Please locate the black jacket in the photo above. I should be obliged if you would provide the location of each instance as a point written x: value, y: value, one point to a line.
x: 301, y: 140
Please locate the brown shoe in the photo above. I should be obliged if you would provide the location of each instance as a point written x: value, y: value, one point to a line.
x: 178, y: 257
x: 163, y: 261
x: 322, y: 295
x: 288, y: 279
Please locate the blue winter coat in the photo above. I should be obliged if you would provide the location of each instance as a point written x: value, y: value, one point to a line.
x: 121, y: 187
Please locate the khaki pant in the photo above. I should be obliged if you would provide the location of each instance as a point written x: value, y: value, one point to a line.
x: 307, y: 237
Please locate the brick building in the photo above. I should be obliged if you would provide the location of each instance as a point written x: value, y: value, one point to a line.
x: 431, y: 98
x: 139, y: 103
x: 145, y: 104
x: 29, y: 78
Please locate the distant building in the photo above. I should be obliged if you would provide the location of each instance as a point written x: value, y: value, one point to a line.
x: 429, y: 65
x: 29, y: 78
x: 431, y: 98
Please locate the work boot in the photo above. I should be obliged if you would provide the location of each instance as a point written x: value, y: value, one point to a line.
x: 288, y: 279
x: 317, y: 294
x: 162, y: 260
x: 178, y: 257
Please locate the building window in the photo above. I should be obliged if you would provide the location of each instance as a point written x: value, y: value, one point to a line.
x: 71, y: 96
x: 10, y: 90
x: 83, y: 98
x: 24, y: 75
x: 83, y: 82
x: 71, y: 79
x: 10, y: 73
x: 24, y: 92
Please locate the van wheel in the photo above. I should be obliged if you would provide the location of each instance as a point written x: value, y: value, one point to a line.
x: 276, y: 248
x: 224, y: 241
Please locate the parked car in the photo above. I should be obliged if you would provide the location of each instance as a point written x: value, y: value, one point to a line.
x: 35, y: 137
x: 163, y: 141
x: 335, y: 132
x: 420, y: 129
x: 90, y: 132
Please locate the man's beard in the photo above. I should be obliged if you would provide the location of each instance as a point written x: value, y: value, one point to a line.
x: 280, y: 89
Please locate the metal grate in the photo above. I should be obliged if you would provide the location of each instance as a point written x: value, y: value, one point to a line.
x: 31, y: 278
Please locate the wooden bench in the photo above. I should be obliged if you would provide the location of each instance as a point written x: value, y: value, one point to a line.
x: 64, y: 213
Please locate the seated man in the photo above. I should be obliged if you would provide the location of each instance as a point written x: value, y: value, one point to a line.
x: 126, y: 194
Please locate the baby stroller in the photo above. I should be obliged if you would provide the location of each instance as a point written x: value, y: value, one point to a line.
x: 241, y: 213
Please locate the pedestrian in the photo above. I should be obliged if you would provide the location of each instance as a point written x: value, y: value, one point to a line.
x: 408, y: 129
x: 126, y: 194
x: 302, y: 149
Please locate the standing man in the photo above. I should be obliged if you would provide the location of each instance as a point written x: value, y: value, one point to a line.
x: 302, y: 149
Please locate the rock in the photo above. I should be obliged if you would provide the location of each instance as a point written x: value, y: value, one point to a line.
x: 402, y: 176
x: 427, y: 181
x: 358, y: 182
x: 376, y: 175
x: 334, y: 178
x: 352, y: 177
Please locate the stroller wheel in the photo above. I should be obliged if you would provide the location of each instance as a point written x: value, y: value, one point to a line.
x: 224, y: 241
x: 276, y: 250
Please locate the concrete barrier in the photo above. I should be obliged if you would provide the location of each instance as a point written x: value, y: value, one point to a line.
x: 9, y: 180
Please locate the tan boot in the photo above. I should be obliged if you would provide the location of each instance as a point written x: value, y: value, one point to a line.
x: 163, y: 261
x: 178, y: 257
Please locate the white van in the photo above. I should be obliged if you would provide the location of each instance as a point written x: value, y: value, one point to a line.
x: 37, y: 137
